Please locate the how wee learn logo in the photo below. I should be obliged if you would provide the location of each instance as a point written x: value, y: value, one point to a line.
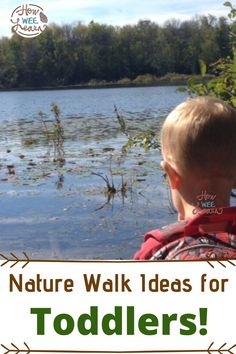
x: 28, y: 20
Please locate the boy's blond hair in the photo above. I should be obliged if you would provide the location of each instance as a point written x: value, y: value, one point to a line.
x: 199, y: 136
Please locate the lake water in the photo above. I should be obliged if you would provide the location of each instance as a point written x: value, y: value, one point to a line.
x: 61, y: 210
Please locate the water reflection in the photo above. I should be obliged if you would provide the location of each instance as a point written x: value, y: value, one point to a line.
x: 58, y: 207
x: 60, y: 181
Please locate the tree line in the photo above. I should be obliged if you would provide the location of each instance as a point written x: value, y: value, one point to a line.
x: 80, y: 53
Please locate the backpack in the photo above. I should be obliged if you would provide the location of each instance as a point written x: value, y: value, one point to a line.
x: 209, y: 235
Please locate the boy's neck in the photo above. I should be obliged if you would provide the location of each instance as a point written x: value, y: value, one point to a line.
x: 190, y: 211
x: 208, y: 196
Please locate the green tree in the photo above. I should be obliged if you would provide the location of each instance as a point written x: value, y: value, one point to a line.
x: 78, y: 53
x: 223, y: 85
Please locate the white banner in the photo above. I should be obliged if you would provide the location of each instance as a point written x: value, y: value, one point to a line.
x: 117, y: 306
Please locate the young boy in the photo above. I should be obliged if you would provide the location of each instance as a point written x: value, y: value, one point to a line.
x: 198, y: 143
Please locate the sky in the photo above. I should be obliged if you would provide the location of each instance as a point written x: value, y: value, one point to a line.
x: 114, y: 12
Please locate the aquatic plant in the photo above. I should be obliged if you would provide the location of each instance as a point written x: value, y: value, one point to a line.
x: 111, y: 190
x: 55, y: 134
x: 146, y: 140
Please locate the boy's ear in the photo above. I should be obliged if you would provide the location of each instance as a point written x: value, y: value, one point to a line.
x: 174, y: 177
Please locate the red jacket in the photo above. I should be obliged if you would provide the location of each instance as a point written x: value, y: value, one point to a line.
x: 210, y: 234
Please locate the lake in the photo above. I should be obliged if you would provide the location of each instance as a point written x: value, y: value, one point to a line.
x: 61, y: 210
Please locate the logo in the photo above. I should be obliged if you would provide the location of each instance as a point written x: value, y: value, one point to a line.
x: 28, y: 20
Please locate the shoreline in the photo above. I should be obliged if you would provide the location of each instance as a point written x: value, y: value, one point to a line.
x: 88, y: 87
x: 177, y: 81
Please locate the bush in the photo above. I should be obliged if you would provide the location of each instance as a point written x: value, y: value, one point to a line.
x: 145, y: 79
x: 124, y: 81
